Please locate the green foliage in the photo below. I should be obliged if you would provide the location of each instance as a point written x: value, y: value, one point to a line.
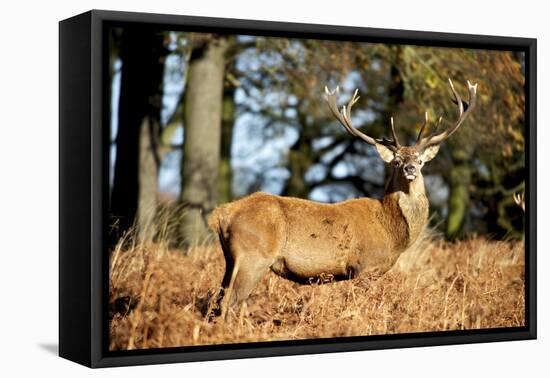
x: 481, y: 165
x: 492, y: 139
x: 406, y: 81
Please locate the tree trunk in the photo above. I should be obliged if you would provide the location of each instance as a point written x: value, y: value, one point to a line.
x: 396, y: 95
x: 228, y: 120
x: 140, y: 97
x: 459, y: 179
x: 201, y: 147
x: 299, y: 161
x: 148, y: 183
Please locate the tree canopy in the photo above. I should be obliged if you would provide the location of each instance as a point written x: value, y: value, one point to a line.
x: 265, y: 125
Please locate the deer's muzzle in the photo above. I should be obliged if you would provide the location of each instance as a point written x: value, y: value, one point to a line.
x: 410, y: 172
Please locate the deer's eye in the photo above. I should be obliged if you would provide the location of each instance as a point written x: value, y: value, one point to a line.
x: 420, y: 162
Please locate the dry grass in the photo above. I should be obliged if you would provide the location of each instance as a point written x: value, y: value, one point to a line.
x: 158, y: 296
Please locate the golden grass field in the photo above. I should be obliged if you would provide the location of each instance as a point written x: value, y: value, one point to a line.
x: 159, y: 297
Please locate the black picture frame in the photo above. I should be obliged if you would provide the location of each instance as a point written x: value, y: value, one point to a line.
x: 83, y: 165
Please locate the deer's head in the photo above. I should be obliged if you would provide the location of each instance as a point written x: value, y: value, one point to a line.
x: 407, y: 161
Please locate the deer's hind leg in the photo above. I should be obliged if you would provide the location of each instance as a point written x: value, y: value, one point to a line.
x: 255, y: 241
x: 245, y: 275
x: 229, y: 272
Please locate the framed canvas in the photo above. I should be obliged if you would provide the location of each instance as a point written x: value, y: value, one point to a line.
x: 234, y: 188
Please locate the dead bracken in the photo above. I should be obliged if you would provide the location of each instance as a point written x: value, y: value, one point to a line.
x: 160, y: 297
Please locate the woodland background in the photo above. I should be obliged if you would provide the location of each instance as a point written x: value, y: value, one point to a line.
x: 201, y: 119
x: 37, y: 162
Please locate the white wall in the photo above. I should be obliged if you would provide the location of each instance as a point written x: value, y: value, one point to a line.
x: 29, y: 189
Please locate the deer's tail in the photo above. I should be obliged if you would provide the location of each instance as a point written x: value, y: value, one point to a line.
x: 218, y: 221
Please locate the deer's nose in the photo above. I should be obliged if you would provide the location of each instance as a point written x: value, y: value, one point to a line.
x: 410, y: 169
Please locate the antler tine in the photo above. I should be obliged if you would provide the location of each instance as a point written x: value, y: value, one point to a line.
x: 519, y: 199
x: 394, y: 134
x: 344, y: 115
x: 422, y: 127
x: 438, y: 123
x: 457, y: 99
x: 346, y: 109
x: 464, y: 109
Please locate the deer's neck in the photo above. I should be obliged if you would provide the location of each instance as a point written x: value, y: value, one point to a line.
x: 407, y: 206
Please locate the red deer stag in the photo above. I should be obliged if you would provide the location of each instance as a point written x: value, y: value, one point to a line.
x: 299, y: 239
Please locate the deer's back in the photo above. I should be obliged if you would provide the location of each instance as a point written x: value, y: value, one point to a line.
x: 334, y: 238
x: 307, y: 238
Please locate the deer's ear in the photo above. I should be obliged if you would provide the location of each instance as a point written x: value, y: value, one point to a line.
x: 430, y: 152
x: 385, y: 153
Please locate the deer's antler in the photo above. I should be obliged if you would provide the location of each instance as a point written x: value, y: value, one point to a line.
x: 344, y: 117
x: 464, y: 109
x: 519, y: 199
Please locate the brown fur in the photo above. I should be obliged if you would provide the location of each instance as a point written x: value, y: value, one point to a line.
x: 300, y: 239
